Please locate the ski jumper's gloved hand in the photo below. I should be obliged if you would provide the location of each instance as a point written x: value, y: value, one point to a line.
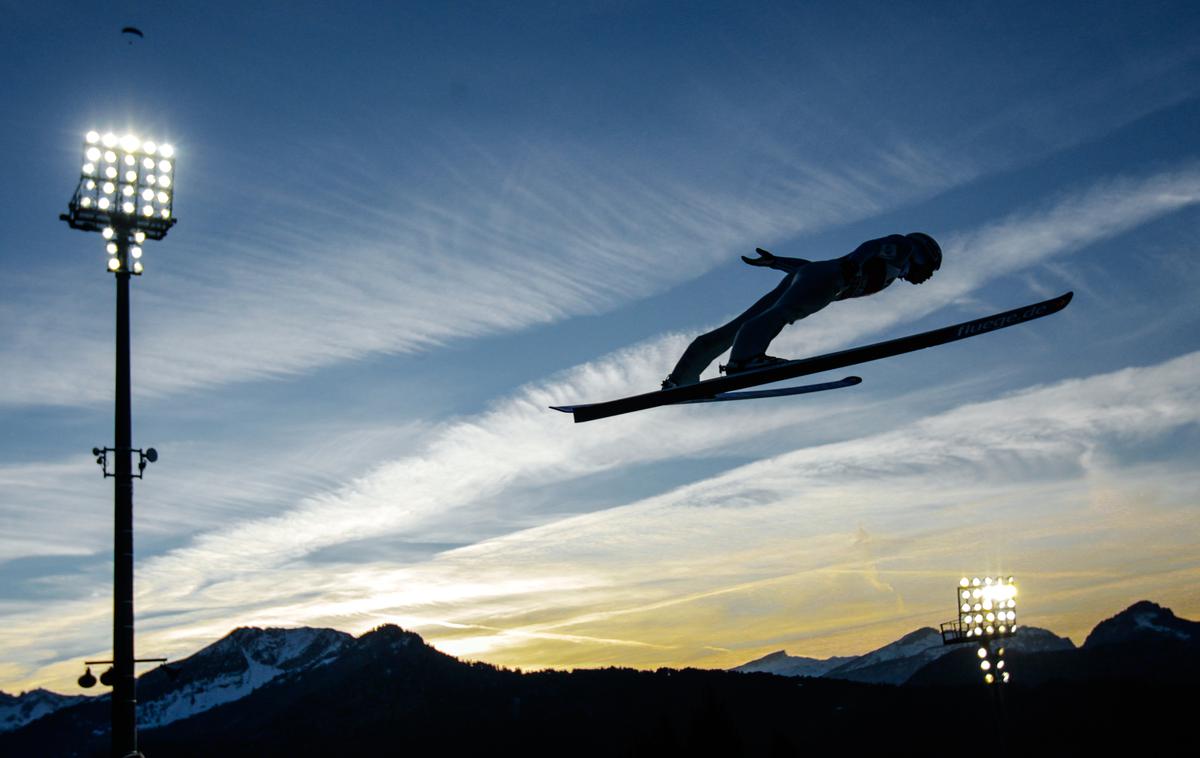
x: 770, y: 260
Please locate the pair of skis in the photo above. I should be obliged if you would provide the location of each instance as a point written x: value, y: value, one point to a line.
x: 727, y: 388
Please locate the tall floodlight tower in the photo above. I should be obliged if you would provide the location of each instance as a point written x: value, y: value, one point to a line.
x: 987, y: 612
x: 125, y: 192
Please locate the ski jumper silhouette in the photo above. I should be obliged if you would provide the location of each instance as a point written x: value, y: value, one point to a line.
x: 808, y: 287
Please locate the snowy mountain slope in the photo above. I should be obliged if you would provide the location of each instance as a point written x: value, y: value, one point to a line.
x: 783, y: 664
x: 18, y: 710
x: 895, y: 662
x: 1143, y: 621
x: 231, y: 668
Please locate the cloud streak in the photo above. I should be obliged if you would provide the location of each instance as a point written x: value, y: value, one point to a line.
x: 577, y: 575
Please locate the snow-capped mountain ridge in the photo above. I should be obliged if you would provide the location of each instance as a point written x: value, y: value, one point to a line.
x: 18, y: 710
x: 783, y: 664
x: 231, y: 668
x: 248, y: 658
x: 1143, y: 620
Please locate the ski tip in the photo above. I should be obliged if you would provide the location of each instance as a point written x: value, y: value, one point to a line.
x: 564, y: 408
x: 852, y: 380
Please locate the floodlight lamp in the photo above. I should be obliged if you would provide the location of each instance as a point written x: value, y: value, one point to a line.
x: 130, y: 160
x: 166, y: 151
x: 975, y: 582
x: 86, y: 202
x: 163, y: 197
x: 999, y: 664
x: 164, y: 167
x: 127, y: 208
x: 131, y: 176
x: 966, y: 607
x: 113, y: 264
x: 989, y: 678
x: 139, y: 236
x: 93, y: 153
x: 985, y: 665
x: 92, y: 137
x: 147, y: 162
x: 981, y: 652
x: 110, y: 172
x: 89, y: 168
x: 137, y: 267
x: 110, y: 156
x: 111, y: 248
x: 102, y: 203
x: 147, y: 211
x: 1004, y: 677
x: 164, y: 181
x: 149, y: 147
x: 127, y: 190
x: 147, y: 194
x: 109, y: 188
x: 963, y: 582
x: 135, y: 251
x: 1002, y: 628
x: 110, y: 140
x: 987, y: 580
x: 107, y: 233
x: 130, y: 143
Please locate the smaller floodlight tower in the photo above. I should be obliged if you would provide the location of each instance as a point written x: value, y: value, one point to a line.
x: 125, y: 192
x: 987, y: 611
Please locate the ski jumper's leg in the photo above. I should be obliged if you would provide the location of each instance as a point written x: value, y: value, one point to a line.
x: 707, y: 347
x: 811, y: 289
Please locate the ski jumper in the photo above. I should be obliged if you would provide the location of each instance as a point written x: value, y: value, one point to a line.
x: 808, y: 287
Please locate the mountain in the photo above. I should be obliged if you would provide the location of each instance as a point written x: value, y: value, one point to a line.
x: 18, y: 710
x: 1143, y: 621
x: 227, y: 670
x: 895, y: 662
x: 316, y: 691
x: 231, y: 668
x: 782, y: 664
x: 1144, y: 645
x: 388, y: 693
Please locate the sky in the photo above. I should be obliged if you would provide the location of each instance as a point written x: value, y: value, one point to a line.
x: 406, y: 229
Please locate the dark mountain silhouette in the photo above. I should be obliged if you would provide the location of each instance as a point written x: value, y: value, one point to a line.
x: 1143, y: 621
x: 388, y: 693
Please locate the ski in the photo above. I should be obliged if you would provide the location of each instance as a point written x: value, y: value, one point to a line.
x: 710, y: 389
x: 803, y: 389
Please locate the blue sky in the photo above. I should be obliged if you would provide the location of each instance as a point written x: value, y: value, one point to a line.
x: 405, y: 229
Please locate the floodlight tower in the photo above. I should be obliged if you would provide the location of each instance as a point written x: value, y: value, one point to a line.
x: 125, y: 192
x: 987, y: 611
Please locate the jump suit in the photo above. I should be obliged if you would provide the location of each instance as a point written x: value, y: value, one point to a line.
x: 807, y: 288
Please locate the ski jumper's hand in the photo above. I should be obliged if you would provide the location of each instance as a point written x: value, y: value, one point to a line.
x: 770, y: 260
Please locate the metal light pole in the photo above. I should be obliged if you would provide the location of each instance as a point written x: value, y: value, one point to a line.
x: 125, y: 193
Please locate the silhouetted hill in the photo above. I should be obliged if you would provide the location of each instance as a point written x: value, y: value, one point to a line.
x: 388, y: 693
x: 1143, y: 621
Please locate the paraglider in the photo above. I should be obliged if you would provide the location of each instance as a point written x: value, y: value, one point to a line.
x: 132, y: 31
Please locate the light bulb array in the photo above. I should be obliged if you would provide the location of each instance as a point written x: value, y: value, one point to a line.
x: 987, y: 607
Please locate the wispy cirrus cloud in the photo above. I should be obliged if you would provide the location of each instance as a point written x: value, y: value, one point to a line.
x: 839, y: 544
x: 465, y: 479
x: 494, y: 247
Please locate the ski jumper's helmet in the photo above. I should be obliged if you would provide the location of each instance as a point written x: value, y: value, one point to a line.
x: 926, y: 251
